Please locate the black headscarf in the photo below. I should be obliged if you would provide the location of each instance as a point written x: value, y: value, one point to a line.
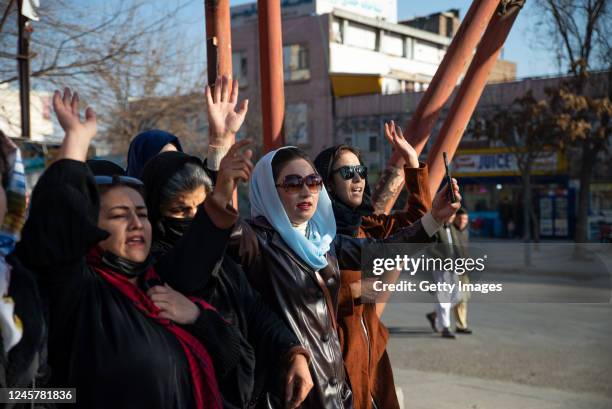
x: 145, y: 146
x: 155, y: 175
x: 102, y: 167
x: 348, y: 219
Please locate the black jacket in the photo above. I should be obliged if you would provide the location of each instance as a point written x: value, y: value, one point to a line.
x: 253, y: 359
x: 307, y: 300
x: 99, y: 342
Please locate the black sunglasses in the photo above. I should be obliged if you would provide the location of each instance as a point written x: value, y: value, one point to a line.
x: 294, y: 184
x: 348, y: 172
x: 104, y: 180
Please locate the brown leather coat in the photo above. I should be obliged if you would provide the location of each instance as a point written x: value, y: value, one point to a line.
x: 361, y: 332
x: 306, y: 299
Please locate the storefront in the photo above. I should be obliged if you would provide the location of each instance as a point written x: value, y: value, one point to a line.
x: 493, y: 193
x: 600, y: 212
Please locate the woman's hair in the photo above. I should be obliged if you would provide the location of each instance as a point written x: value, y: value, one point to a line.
x: 284, y: 156
x: 188, y: 178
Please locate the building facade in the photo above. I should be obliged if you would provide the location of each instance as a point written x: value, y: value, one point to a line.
x: 41, y: 123
x: 333, y: 49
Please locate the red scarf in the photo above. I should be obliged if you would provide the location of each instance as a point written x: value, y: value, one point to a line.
x: 205, y: 389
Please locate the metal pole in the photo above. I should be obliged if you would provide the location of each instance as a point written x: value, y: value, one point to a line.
x: 218, y: 39
x: 438, y: 92
x: 470, y: 91
x: 23, y: 66
x: 271, y: 71
x: 219, y: 46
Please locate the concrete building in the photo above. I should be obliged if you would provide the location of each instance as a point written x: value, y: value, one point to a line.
x: 333, y: 49
x: 41, y: 123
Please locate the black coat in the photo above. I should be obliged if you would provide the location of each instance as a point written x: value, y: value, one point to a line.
x: 99, y: 342
x: 263, y: 343
x: 306, y: 299
x: 254, y: 358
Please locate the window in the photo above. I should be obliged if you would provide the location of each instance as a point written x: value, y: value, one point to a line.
x: 393, y: 44
x: 365, y: 141
x: 361, y: 36
x: 295, y: 62
x: 426, y: 51
x: 239, y: 67
x: 296, y: 124
x: 373, y: 144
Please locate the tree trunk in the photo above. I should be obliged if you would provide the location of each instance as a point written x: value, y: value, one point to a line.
x: 586, y: 173
x: 526, y: 179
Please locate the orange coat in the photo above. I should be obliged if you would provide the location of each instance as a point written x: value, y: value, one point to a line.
x: 372, y: 378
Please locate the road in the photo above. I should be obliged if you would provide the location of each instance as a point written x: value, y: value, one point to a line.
x: 520, y: 355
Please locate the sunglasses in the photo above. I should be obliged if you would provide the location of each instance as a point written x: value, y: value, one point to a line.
x: 348, y: 172
x: 294, y: 184
x: 104, y: 180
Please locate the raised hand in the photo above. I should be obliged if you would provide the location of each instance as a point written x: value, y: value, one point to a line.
x: 223, y: 119
x: 79, y: 133
x: 173, y: 305
x: 442, y: 209
x: 394, y: 135
x: 234, y: 167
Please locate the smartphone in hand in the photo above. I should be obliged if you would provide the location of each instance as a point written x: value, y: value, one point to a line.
x: 449, y: 179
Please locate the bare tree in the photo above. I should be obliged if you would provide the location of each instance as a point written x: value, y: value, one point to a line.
x: 138, y: 68
x: 526, y: 130
x: 581, y: 31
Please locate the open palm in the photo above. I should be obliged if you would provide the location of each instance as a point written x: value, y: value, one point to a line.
x: 223, y: 119
x: 66, y: 108
x: 398, y: 142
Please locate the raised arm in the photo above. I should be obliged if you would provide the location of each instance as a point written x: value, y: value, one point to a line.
x: 416, y: 178
x: 348, y: 249
x: 62, y: 223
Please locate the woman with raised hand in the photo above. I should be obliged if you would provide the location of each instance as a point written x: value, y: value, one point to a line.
x: 292, y: 255
x: 361, y: 332
x: 87, y: 240
x: 262, y: 357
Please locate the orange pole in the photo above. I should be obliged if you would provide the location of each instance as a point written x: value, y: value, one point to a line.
x: 469, y: 93
x: 271, y: 71
x: 218, y: 39
x: 219, y: 46
x: 439, y: 91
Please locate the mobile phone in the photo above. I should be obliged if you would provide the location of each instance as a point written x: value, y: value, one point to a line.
x: 449, y: 179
